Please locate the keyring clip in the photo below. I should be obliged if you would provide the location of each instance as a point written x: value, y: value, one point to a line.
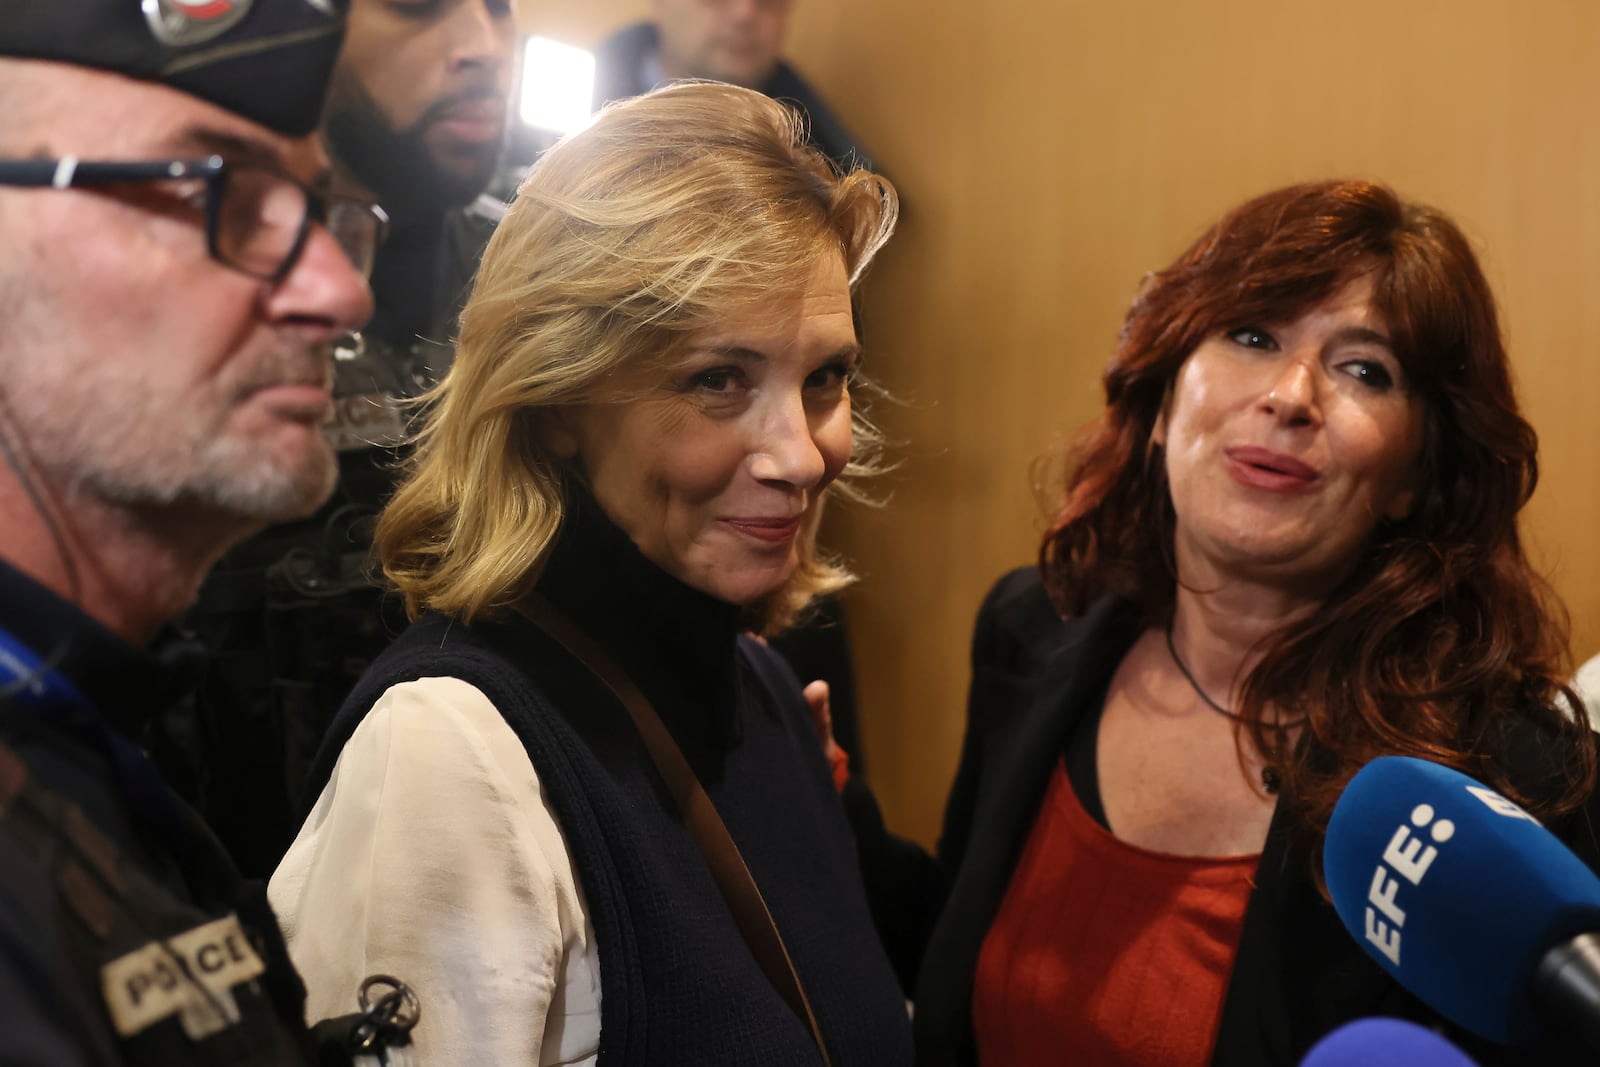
x: 393, y: 1013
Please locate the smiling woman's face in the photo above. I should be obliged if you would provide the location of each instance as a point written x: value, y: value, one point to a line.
x: 713, y: 465
x: 1287, y: 443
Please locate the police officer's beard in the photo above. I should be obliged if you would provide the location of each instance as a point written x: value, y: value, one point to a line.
x: 118, y: 454
x: 396, y: 165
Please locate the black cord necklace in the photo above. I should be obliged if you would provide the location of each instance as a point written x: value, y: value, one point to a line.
x: 1269, y: 774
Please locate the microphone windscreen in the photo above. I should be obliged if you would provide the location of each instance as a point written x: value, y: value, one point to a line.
x: 1384, y: 1043
x: 1454, y: 890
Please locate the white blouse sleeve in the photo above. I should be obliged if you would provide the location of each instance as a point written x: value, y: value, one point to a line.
x: 432, y: 856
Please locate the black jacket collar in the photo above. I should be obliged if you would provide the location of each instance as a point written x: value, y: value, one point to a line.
x: 128, y: 685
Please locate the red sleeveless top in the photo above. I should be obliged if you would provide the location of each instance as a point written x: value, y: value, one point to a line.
x: 1104, y: 953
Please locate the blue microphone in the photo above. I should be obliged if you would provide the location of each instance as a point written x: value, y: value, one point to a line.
x: 1377, y: 1041
x: 1467, y: 901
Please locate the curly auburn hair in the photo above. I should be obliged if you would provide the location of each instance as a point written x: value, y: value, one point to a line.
x: 1443, y: 637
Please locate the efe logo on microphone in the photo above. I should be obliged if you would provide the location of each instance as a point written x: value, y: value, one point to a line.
x: 1409, y: 856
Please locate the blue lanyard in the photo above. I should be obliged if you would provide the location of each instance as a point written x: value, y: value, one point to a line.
x: 36, y: 687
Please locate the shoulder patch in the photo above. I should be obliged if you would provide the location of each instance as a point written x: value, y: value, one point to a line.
x: 190, y: 975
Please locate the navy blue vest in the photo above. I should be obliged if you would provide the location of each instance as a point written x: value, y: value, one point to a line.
x: 678, y: 984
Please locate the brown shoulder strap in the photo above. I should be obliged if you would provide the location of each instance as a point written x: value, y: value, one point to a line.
x: 728, y: 868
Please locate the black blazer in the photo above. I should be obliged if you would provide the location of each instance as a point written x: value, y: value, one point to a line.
x: 1298, y: 973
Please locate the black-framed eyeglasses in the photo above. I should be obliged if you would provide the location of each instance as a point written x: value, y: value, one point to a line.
x: 257, y: 219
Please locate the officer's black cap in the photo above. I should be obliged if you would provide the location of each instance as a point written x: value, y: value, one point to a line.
x: 267, y: 60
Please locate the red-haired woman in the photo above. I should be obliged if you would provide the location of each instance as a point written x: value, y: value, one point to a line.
x: 1287, y: 546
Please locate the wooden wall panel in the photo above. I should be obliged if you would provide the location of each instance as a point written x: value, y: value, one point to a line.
x: 1051, y: 153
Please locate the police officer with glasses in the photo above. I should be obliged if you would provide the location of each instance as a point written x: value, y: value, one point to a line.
x: 174, y: 275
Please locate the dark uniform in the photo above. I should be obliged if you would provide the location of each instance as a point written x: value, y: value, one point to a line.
x: 293, y: 616
x: 126, y: 934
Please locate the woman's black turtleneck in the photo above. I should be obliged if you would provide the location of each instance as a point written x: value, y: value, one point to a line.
x: 677, y: 644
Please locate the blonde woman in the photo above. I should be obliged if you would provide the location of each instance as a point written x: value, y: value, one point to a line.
x: 650, y: 403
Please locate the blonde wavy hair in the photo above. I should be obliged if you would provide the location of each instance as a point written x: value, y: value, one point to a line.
x: 670, y: 213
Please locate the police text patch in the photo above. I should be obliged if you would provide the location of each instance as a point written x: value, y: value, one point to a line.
x: 190, y: 974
